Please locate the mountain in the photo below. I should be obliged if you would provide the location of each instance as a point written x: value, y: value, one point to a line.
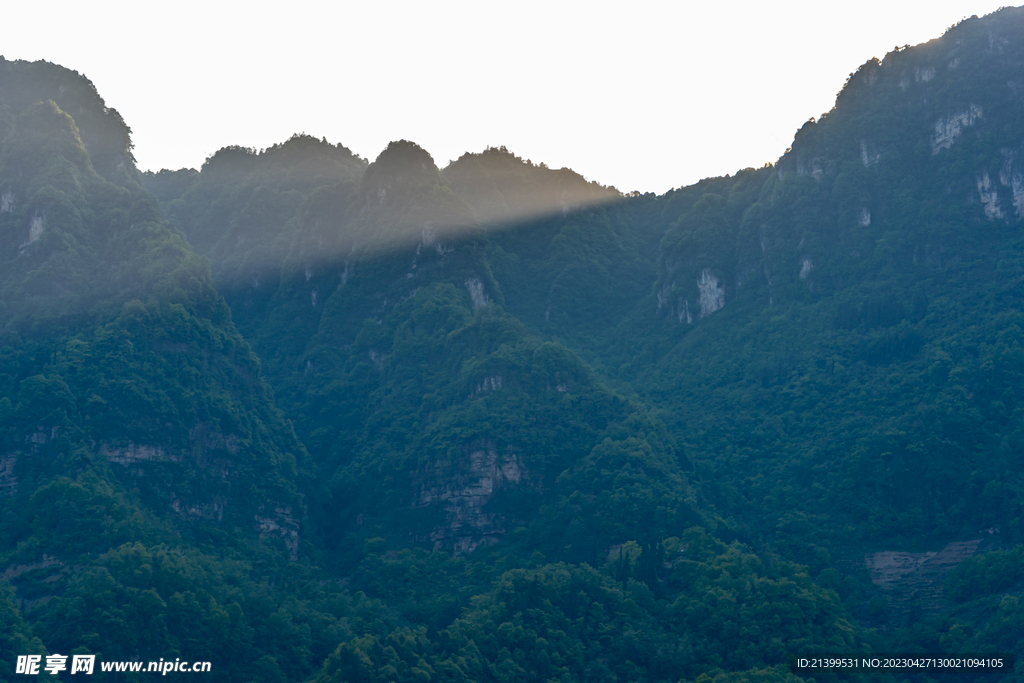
x: 310, y: 417
x: 140, y: 449
x: 875, y: 264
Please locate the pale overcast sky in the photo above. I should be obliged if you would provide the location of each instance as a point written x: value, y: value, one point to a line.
x: 643, y: 95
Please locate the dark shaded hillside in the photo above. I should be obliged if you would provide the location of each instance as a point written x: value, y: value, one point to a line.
x: 496, y: 422
x: 149, y: 488
x: 844, y: 326
x: 441, y: 422
x: 829, y: 341
x: 386, y: 338
x: 155, y: 503
x: 115, y: 337
x: 863, y: 283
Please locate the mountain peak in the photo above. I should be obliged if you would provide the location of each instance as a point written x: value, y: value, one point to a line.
x: 502, y: 187
x: 403, y: 166
x: 103, y: 132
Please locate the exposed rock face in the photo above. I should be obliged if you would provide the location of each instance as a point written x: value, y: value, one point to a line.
x: 864, y: 217
x: 684, y: 312
x: 917, y: 577
x: 464, y: 489
x: 283, y: 525
x: 816, y: 168
x: 205, y: 446
x: 477, y: 293
x: 492, y: 383
x: 678, y: 309
x: 41, y: 437
x: 898, y: 570
x: 712, y: 297
x: 989, y: 197
x: 195, y: 510
x: 868, y: 154
x: 209, y: 450
x: 35, y: 230
x: 1011, y: 177
x: 948, y: 129
x: 806, y: 266
x: 135, y: 453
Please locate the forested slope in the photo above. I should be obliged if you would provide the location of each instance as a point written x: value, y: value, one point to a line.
x: 151, y: 490
x: 316, y: 418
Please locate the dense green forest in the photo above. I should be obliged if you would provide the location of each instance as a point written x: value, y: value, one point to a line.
x: 314, y: 418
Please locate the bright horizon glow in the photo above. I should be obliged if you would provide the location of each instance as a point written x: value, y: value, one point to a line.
x: 646, y: 97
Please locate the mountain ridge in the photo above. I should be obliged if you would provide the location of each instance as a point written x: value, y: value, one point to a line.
x: 339, y: 420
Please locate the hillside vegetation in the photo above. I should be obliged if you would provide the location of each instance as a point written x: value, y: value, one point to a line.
x: 314, y: 418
